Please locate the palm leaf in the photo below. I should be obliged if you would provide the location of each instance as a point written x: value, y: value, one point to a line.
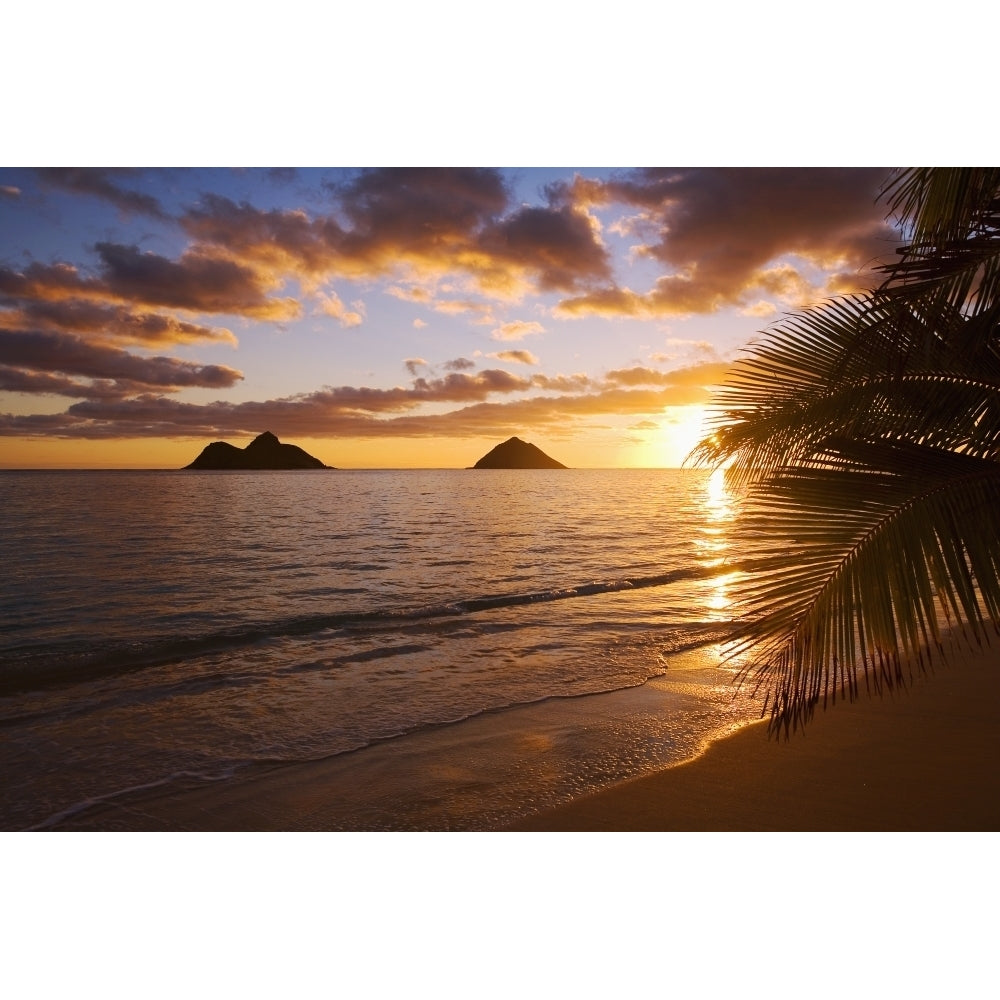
x: 865, y: 436
x: 870, y: 551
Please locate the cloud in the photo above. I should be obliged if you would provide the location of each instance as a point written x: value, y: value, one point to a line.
x: 563, y: 383
x: 99, y: 182
x: 459, y: 365
x: 9, y: 191
x: 455, y: 307
x: 112, y: 371
x: 333, y: 413
x: 331, y: 305
x: 412, y: 293
x: 720, y: 235
x: 761, y: 309
x: 348, y: 411
x: 419, y: 324
x: 47, y: 384
x: 413, y: 364
x: 705, y: 374
x: 516, y: 330
x: 559, y: 244
x: 458, y: 387
x: 196, y: 282
x: 415, y: 224
x: 518, y: 357
x: 107, y: 324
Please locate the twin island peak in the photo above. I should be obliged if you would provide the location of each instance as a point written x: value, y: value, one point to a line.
x: 267, y: 452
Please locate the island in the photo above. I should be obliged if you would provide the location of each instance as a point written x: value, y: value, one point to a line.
x: 263, y: 452
x: 517, y: 454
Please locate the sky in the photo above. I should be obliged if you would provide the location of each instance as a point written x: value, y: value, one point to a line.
x: 402, y: 317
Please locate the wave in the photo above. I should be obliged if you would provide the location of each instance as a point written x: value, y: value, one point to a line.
x: 28, y: 668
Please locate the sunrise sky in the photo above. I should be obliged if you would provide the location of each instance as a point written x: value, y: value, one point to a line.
x: 399, y: 317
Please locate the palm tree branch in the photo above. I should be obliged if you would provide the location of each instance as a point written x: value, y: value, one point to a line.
x: 868, y: 560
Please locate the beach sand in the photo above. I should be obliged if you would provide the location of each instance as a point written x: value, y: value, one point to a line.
x: 923, y: 759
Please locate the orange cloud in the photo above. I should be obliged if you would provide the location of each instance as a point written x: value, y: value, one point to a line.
x: 331, y: 305
x: 518, y: 357
x: 706, y: 374
x: 517, y: 330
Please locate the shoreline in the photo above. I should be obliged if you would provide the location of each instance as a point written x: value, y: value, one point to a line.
x: 919, y: 759
x: 478, y: 774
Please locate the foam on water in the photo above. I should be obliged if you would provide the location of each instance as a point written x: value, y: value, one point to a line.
x: 165, y: 625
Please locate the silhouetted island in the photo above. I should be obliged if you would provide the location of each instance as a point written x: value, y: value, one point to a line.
x: 263, y: 452
x: 517, y: 454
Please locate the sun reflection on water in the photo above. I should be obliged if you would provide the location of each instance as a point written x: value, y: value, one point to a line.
x: 714, y: 542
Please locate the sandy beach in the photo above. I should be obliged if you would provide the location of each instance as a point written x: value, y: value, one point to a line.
x: 924, y: 759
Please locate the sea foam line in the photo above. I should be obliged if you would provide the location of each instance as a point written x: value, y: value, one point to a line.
x: 28, y: 668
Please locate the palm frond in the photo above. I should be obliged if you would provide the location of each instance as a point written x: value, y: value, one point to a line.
x: 954, y: 221
x: 865, y: 436
x: 940, y: 206
x: 852, y: 368
x: 870, y: 552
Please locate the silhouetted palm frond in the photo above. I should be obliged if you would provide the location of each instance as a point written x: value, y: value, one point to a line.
x: 865, y: 436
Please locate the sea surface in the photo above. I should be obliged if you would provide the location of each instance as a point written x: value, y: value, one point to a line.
x: 163, y: 630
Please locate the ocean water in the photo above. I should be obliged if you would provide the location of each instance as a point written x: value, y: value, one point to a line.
x: 168, y: 630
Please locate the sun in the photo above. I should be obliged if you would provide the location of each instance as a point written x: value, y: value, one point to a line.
x: 680, y: 431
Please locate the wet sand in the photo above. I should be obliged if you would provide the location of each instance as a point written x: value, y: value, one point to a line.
x: 920, y: 759
x: 924, y: 759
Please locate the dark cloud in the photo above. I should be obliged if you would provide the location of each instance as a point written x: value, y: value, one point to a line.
x: 100, y: 182
x: 285, y: 238
x: 197, y: 282
x: 431, y: 221
x: 111, y: 323
x: 34, y: 353
x: 426, y: 209
x: 459, y: 365
x: 558, y: 244
x: 348, y: 411
x: 720, y: 233
x: 9, y: 191
x: 459, y: 388
x: 45, y: 383
x: 158, y: 416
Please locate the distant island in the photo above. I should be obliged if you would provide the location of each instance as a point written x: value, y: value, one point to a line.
x: 517, y: 454
x: 263, y: 452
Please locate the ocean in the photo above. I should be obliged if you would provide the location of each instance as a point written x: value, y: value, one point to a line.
x: 164, y: 631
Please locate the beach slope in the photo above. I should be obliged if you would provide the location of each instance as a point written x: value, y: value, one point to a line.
x: 922, y: 759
